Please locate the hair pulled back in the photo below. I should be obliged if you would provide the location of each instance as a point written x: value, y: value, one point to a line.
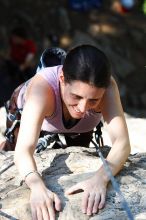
x: 88, y: 64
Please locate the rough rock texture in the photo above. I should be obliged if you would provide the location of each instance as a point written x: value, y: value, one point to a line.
x: 123, y: 39
x: 63, y: 168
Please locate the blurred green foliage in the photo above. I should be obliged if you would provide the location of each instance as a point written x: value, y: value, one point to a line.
x: 144, y: 7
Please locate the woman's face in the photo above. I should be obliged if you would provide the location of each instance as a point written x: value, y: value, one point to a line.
x: 79, y: 97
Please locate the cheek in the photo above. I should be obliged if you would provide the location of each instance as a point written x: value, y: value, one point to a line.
x: 93, y: 105
x: 70, y: 101
x: 67, y: 98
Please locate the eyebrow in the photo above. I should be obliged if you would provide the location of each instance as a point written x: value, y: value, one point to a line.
x: 82, y: 97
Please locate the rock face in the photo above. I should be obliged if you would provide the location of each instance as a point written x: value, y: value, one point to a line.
x: 124, y: 41
x: 65, y: 167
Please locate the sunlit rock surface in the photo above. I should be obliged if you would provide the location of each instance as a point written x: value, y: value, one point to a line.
x: 65, y: 167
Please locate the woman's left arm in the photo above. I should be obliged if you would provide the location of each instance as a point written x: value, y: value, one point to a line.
x: 95, y: 188
x: 117, y: 129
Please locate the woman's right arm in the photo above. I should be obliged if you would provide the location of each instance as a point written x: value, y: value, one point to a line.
x: 39, y: 104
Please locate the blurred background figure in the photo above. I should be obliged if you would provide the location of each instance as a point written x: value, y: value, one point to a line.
x: 123, y: 6
x: 22, y: 53
x: 18, y: 65
x: 98, y: 22
x: 127, y: 5
x: 85, y: 5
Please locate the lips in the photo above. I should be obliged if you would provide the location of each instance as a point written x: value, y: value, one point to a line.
x: 78, y: 112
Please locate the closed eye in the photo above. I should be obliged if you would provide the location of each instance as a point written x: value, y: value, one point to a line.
x: 91, y: 101
x: 94, y: 101
x: 76, y: 96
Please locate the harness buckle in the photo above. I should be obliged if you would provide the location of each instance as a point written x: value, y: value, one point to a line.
x: 9, y: 132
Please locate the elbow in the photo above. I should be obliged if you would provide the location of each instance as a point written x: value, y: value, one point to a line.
x: 128, y: 146
x: 16, y: 157
x: 127, y: 149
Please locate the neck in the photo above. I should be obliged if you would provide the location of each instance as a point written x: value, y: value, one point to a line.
x: 68, y: 121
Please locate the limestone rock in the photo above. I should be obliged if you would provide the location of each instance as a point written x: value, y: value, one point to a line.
x: 63, y: 168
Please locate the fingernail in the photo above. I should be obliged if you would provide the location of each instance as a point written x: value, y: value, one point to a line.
x: 84, y: 211
x: 88, y: 213
x: 100, y: 206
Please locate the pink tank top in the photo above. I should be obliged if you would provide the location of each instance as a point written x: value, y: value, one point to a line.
x: 55, y: 123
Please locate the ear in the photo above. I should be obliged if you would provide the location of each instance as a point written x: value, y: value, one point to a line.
x: 61, y: 77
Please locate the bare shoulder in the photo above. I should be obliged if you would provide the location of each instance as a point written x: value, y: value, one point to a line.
x: 112, y: 88
x: 111, y: 93
x: 41, y: 94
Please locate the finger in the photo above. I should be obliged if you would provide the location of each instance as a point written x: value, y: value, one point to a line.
x: 51, y: 211
x: 96, y: 204
x: 91, y: 200
x: 33, y: 213
x: 74, y: 189
x: 45, y: 213
x: 57, y: 202
x: 39, y: 214
x: 102, y: 201
x: 85, y: 202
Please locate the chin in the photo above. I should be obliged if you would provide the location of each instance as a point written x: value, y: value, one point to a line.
x: 77, y: 117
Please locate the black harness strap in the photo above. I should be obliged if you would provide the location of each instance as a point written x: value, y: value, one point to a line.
x: 45, y: 141
x: 14, y: 119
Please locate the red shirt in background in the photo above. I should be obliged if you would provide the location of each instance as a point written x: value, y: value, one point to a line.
x: 19, y: 52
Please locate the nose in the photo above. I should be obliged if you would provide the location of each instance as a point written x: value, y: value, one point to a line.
x: 83, y: 106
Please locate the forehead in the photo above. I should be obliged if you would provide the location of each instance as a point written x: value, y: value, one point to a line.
x: 85, y: 90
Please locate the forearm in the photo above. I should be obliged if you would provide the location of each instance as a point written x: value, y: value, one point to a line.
x: 24, y: 162
x: 26, y: 165
x: 118, y: 155
x: 115, y: 159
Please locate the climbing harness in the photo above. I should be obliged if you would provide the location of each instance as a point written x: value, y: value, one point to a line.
x: 14, y: 120
x: 44, y: 142
x: 98, y: 145
x: 50, y: 57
